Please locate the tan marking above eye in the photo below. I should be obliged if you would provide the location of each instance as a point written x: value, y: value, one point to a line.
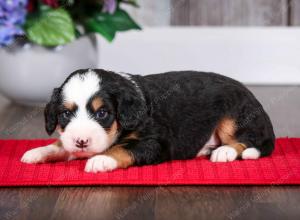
x: 70, y: 106
x: 97, y: 103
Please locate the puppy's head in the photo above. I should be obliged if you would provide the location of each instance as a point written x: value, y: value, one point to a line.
x: 91, y: 108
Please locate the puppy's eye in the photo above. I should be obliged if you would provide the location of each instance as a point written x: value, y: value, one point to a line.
x: 67, y: 114
x: 101, y: 114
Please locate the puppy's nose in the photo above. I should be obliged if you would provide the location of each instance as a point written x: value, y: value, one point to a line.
x: 80, y: 143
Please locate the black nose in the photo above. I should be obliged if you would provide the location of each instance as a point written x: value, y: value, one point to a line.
x: 82, y: 143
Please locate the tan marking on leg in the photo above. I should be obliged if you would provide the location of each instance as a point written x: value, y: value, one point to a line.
x: 226, y: 132
x: 61, y: 155
x: 97, y: 103
x: 123, y: 157
x: 239, y: 147
x: 58, y: 143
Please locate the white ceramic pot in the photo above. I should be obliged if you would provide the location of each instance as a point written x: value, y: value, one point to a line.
x: 29, y: 75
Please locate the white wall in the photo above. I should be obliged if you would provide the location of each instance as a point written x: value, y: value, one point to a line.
x: 251, y: 55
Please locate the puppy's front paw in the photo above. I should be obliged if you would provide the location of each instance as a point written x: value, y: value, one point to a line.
x: 33, y: 156
x: 100, y: 163
x: 224, y: 154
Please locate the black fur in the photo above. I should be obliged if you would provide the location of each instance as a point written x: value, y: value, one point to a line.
x: 130, y: 107
x: 50, y: 112
x: 176, y: 113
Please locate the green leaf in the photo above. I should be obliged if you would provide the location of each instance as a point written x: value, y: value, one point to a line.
x: 102, y: 27
x: 50, y: 27
x: 130, y: 2
x: 108, y: 24
x: 123, y: 22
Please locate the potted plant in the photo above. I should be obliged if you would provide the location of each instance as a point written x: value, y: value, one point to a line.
x: 42, y: 41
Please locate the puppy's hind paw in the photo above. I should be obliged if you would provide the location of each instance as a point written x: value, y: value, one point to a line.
x: 224, y: 154
x: 251, y: 154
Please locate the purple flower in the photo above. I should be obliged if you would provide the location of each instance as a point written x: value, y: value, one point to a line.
x: 8, y: 34
x: 12, y: 17
x: 10, y: 5
x: 109, y: 6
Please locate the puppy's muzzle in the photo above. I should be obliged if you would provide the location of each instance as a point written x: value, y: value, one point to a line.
x: 82, y: 143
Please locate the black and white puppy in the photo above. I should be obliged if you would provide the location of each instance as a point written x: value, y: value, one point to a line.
x: 120, y: 120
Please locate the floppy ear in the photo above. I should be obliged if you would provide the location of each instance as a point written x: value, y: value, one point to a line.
x: 50, y: 112
x: 131, y: 108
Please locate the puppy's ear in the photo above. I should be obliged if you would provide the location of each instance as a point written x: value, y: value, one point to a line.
x: 131, y: 108
x: 50, y: 112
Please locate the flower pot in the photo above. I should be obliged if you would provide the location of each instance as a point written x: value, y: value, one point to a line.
x: 29, y: 75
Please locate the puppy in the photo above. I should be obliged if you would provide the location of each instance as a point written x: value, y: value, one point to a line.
x: 121, y: 120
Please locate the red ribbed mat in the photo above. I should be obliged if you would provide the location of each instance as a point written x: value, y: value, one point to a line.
x: 283, y: 167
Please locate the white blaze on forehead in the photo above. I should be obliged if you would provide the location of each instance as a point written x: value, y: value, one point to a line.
x: 81, y: 87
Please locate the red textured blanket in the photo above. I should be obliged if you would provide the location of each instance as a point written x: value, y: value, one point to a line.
x: 283, y: 167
